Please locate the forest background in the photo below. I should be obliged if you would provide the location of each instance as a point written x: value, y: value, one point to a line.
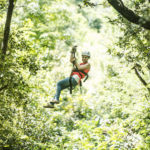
x: 113, y: 111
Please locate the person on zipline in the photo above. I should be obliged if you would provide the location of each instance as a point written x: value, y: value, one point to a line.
x: 79, y: 72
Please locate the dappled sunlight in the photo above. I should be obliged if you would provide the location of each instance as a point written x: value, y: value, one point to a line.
x: 111, y: 109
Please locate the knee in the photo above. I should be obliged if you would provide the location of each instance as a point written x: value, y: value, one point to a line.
x: 59, y: 84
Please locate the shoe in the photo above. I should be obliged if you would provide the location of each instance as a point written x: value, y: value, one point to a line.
x: 54, y: 101
x: 49, y: 105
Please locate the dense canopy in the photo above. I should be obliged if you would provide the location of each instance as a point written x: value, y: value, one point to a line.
x: 113, y: 110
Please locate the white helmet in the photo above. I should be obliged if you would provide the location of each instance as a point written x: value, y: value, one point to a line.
x: 86, y: 53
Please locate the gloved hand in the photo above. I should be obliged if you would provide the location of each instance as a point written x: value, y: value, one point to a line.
x: 74, y: 48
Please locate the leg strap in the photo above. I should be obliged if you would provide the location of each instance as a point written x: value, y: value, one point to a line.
x: 70, y: 84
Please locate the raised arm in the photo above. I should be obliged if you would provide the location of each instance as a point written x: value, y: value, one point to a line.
x: 72, y: 56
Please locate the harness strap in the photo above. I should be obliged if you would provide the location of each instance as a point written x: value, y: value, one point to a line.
x: 70, y: 78
x: 81, y: 71
x: 70, y: 84
x: 84, y: 74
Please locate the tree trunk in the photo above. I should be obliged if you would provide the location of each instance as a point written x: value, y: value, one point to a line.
x: 7, y: 27
x: 129, y: 14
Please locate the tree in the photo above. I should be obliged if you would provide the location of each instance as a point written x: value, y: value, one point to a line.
x: 127, y: 13
x: 7, y: 26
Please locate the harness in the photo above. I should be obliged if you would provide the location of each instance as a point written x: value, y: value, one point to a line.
x: 79, y: 71
x: 86, y: 77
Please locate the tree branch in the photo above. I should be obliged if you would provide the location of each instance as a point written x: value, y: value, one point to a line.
x: 129, y: 14
x: 7, y: 26
x: 140, y: 77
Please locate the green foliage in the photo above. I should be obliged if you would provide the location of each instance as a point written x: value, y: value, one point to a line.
x: 113, y: 110
x: 96, y: 24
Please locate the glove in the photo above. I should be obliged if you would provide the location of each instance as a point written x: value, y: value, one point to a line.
x: 74, y: 48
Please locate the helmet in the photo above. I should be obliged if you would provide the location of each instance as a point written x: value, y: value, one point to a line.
x: 86, y: 53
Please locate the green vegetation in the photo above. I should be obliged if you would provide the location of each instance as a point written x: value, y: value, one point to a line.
x: 113, y: 111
